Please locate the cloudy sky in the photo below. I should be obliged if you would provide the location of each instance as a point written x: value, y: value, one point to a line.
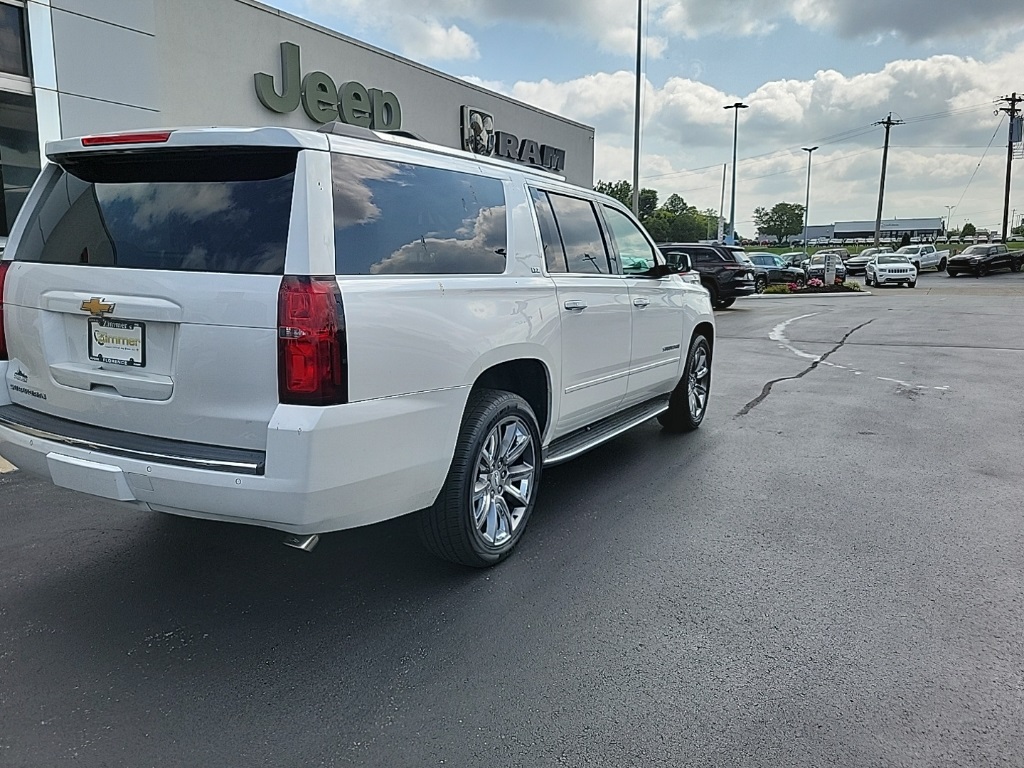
x: 814, y: 72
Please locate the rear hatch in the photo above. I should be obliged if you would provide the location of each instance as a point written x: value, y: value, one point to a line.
x: 143, y: 293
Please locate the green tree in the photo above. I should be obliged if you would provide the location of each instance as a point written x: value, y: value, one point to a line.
x: 623, y: 192
x: 782, y: 221
x: 675, y: 204
x: 969, y: 230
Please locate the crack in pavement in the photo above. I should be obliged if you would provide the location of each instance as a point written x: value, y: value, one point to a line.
x: 767, y: 390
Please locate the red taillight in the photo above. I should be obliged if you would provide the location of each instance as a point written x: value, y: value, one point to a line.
x: 4, y: 266
x: 312, y: 364
x: 146, y: 137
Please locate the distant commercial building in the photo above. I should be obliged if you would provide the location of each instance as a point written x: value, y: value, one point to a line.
x: 75, y: 67
x: 891, y: 229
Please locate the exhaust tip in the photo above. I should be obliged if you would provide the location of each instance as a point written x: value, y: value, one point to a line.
x: 306, y: 543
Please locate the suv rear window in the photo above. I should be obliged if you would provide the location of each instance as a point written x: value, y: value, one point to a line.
x: 398, y: 218
x: 193, y: 211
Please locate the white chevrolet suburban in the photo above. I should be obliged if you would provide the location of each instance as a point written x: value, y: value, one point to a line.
x: 313, y: 331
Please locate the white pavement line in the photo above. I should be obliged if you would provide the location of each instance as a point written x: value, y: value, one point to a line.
x: 6, y: 466
x: 779, y: 334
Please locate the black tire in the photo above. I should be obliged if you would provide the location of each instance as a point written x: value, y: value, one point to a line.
x: 912, y: 284
x: 713, y: 291
x: 1015, y: 265
x: 942, y: 265
x: 917, y: 266
x: 725, y: 303
x: 760, y: 284
x: 685, y: 414
x: 867, y: 279
x: 450, y: 528
x: 982, y: 270
x: 951, y: 273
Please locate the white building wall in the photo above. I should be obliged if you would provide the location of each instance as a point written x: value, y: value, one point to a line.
x: 128, y: 64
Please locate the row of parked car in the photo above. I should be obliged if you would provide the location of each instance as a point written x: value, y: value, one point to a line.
x: 729, y: 272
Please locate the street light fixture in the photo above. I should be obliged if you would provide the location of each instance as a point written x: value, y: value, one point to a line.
x: 807, y: 200
x: 949, y: 217
x: 730, y: 238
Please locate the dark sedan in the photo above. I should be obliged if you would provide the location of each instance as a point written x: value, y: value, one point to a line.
x: 772, y: 269
x: 816, y: 267
x: 979, y: 260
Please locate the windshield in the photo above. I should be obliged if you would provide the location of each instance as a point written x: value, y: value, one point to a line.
x: 976, y: 250
x: 892, y: 258
x: 909, y: 249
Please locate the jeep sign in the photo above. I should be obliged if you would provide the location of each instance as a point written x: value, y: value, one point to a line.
x: 324, y: 101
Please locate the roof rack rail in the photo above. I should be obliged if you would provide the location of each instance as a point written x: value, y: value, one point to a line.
x: 339, y: 128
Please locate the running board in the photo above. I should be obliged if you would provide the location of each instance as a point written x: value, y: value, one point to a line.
x: 572, y: 445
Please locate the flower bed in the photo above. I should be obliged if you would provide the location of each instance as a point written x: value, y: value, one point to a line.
x: 815, y: 286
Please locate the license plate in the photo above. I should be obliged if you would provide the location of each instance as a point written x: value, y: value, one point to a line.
x: 117, y: 342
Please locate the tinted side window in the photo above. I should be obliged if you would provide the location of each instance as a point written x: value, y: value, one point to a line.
x: 399, y: 219
x: 584, y: 245
x: 554, y: 253
x: 706, y: 256
x: 635, y: 253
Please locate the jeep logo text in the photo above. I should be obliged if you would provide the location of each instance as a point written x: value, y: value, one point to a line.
x: 324, y: 101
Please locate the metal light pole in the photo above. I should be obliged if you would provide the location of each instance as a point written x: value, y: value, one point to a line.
x: 636, y: 115
x: 730, y: 237
x: 949, y: 218
x: 807, y: 201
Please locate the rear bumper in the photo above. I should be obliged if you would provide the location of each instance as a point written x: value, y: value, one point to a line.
x: 325, y: 468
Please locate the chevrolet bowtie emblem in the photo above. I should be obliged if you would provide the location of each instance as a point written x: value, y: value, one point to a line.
x: 96, y: 306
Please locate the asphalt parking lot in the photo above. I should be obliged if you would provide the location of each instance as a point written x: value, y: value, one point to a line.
x: 829, y: 572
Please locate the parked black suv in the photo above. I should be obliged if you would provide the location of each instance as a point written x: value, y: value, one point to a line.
x: 724, y: 270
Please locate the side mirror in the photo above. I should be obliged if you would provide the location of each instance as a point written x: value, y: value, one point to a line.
x: 663, y: 270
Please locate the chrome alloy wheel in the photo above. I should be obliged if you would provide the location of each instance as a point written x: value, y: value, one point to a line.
x: 504, y: 485
x: 700, y: 380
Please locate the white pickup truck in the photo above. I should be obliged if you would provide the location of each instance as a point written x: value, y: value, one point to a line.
x: 925, y: 256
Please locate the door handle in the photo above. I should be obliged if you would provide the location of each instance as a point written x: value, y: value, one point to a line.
x: 577, y: 306
x: 641, y: 302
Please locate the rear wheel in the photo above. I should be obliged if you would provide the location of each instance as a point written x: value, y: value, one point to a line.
x: 725, y: 303
x: 1015, y: 265
x: 760, y: 284
x: 711, y: 289
x: 689, y: 401
x: 491, y: 488
x: 942, y: 265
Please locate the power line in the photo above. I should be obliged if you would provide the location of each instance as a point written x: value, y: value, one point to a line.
x: 979, y: 164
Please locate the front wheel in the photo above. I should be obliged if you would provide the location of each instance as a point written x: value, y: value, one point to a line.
x: 689, y: 401
x: 942, y: 265
x: 951, y: 273
x: 760, y: 285
x: 982, y: 270
x: 725, y: 303
x: 491, y: 488
x: 912, y: 284
x: 867, y: 279
x: 1015, y: 266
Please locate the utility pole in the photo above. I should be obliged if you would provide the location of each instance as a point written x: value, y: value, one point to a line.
x: 721, y: 208
x: 636, y: 110
x: 888, y: 123
x: 1011, y: 109
x: 730, y: 237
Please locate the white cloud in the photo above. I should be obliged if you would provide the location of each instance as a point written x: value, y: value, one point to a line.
x: 431, y: 41
x: 947, y: 102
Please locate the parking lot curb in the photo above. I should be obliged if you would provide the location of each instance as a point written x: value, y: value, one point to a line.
x: 807, y: 295
x: 6, y: 466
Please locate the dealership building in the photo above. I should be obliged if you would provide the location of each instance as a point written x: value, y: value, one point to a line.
x: 76, y: 67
